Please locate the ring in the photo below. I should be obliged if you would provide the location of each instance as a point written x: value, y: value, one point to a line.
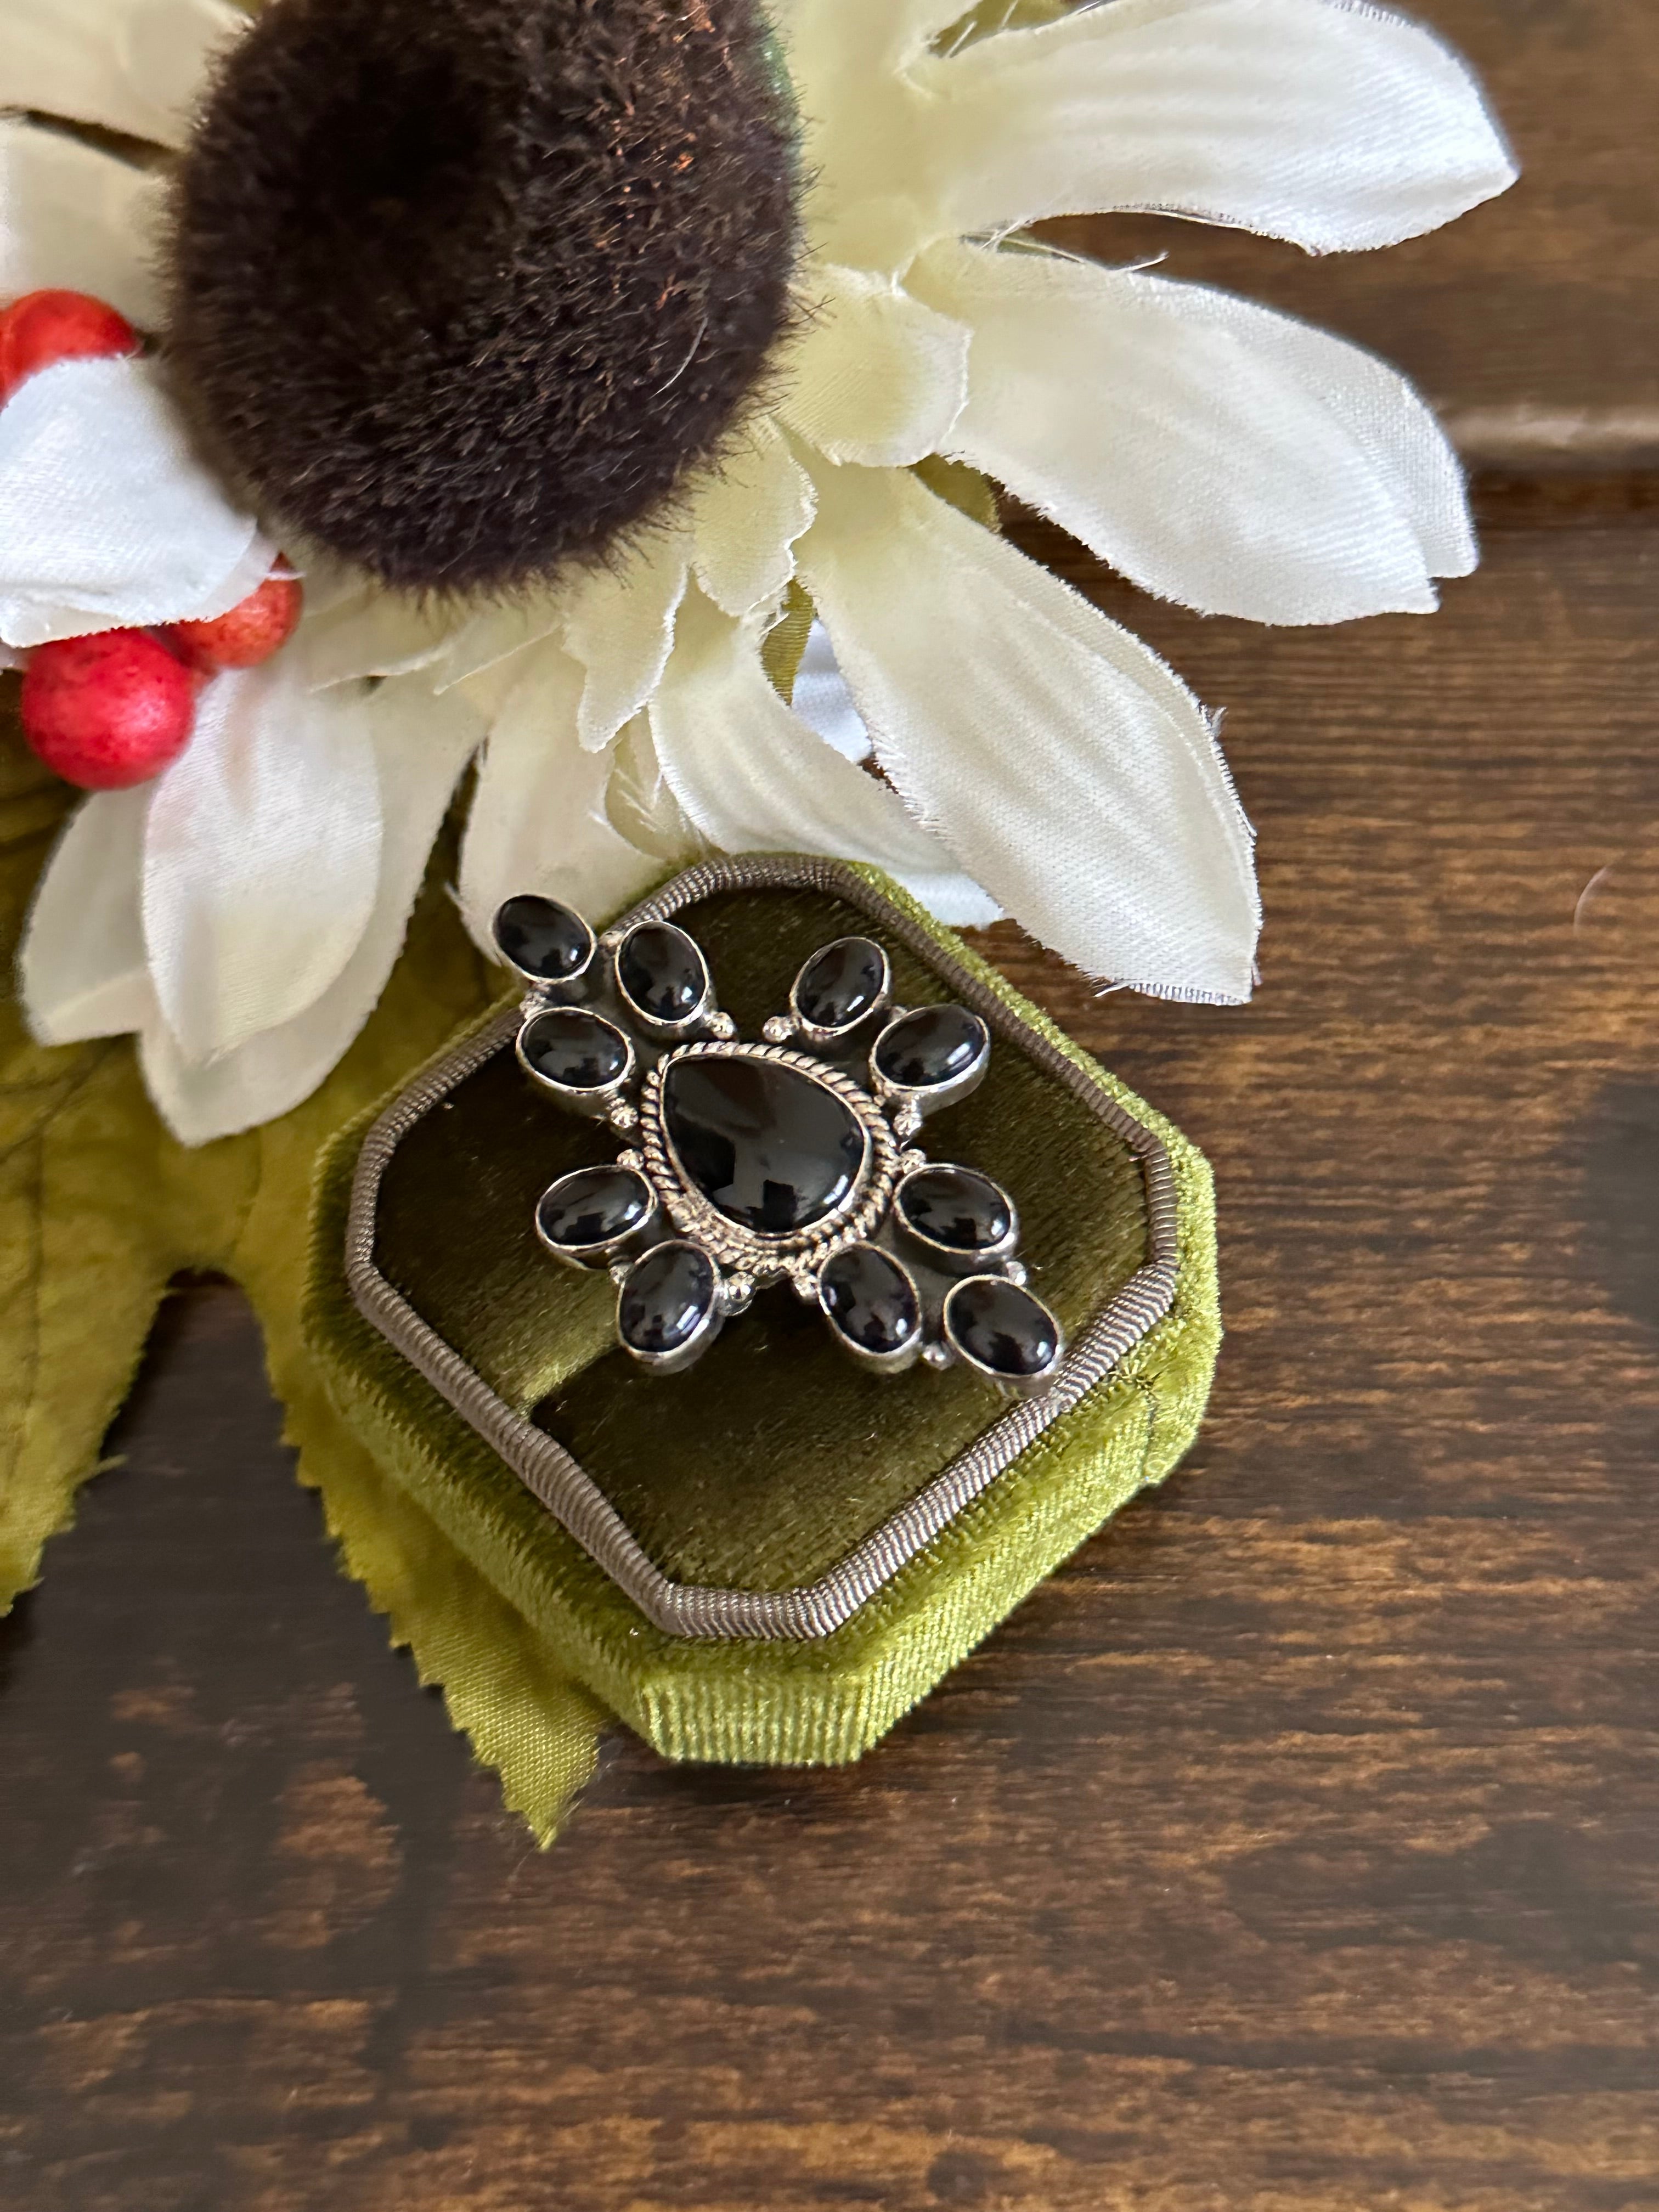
x: 792, y: 1159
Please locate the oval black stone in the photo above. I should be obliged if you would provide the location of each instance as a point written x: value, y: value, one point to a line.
x: 934, y: 1045
x: 594, y: 1206
x: 1002, y: 1326
x: 871, y: 1300
x: 666, y: 1298
x: 543, y: 938
x: 577, y: 1050
x: 662, y: 971
x: 839, y: 986
x: 956, y: 1207
x: 770, y: 1147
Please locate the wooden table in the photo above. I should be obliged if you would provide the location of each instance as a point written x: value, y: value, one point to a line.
x: 1296, y: 1848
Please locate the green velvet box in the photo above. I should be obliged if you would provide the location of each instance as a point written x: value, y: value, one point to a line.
x: 773, y: 1556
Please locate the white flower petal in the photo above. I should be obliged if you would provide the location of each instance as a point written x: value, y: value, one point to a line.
x: 640, y: 805
x: 262, y: 856
x: 862, y: 123
x: 619, y: 624
x: 752, y: 778
x: 747, y: 520
x: 1067, y: 768
x: 822, y: 701
x: 538, y: 820
x: 878, y: 379
x: 1337, y: 126
x: 421, y: 745
x: 882, y: 232
x: 250, y: 571
x: 136, y: 66
x: 489, y: 691
x: 80, y: 968
x: 328, y: 583
x: 494, y: 634
x: 1236, y: 460
x: 863, y: 37
x: 75, y: 218
x: 377, y: 633
x: 106, y: 517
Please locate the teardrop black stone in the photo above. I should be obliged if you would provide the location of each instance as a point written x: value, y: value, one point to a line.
x: 871, y: 1300
x: 1002, y: 1328
x: 543, y: 938
x: 575, y: 1050
x: 840, y: 985
x: 956, y: 1207
x: 662, y: 971
x: 770, y: 1147
x: 934, y: 1045
x: 594, y: 1206
x: 666, y: 1298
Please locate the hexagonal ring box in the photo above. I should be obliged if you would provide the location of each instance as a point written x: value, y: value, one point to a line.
x: 770, y: 1556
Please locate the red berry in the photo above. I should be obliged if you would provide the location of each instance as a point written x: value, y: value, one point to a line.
x: 43, y: 327
x: 108, y: 711
x: 250, y: 633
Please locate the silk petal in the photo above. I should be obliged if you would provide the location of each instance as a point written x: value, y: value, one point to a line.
x: 107, y: 519
x: 421, y: 745
x: 537, y: 821
x: 1234, y: 460
x: 752, y: 778
x: 262, y: 856
x: 1064, y: 766
x: 81, y: 968
x: 747, y: 520
x: 135, y: 66
x: 619, y: 623
x: 79, y: 220
x: 1338, y: 127
x: 377, y: 633
x: 879, y: 377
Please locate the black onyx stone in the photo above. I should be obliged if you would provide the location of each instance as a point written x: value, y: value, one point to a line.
x: 955, y: 1207
x: 543, y: 938
x: 577, y: 1050
x: 934, y: 1045
x: 668, y: 1295
x: 839, y: 986
x: 770, y: 1147
x: 662, y: 971
x: 1002, y: 1328
x: 594, y: 1206
x: 871, y: 1300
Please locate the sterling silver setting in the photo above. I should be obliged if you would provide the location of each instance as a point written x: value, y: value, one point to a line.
x: 826, y: 1168
x: 661, y: 1029
x: 948, y: 1259
x: 594, y: 1100
x: 817, y: 1033
x: 798, y: 1255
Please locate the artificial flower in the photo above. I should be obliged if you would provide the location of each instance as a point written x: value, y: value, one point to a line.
x: 1034, y: 758
x: 1214, y: 453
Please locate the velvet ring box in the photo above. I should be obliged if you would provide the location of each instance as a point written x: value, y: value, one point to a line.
x: 772, y: 1557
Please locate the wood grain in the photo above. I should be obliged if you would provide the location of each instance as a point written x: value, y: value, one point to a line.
x: 1295, y: 1848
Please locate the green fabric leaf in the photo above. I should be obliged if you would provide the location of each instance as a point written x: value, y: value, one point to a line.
x: 99, y: 1208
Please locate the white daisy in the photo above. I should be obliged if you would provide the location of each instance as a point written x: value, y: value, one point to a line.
x: 1216, y: 454
x: 1035, y: 758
